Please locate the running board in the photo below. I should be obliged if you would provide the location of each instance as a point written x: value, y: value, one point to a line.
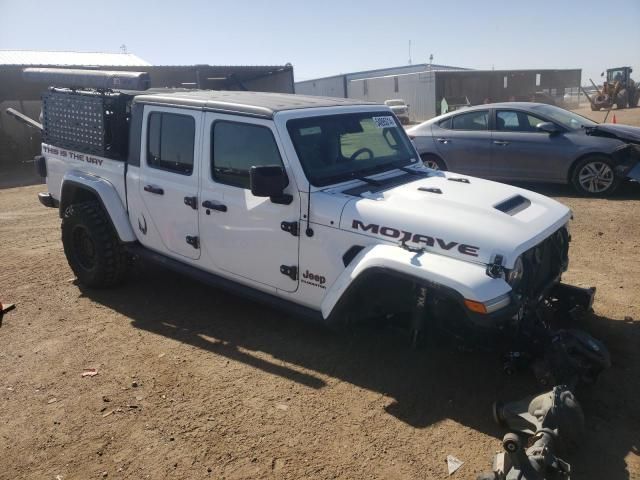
x: 226, y: 284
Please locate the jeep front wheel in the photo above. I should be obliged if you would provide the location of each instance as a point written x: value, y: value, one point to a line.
x: 92, y: 247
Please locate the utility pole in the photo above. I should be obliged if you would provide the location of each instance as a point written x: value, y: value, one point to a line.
x: 409, y: 52
x: 123, y: 48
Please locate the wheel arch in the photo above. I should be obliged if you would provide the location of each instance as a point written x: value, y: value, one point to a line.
x: 438, y: 157
x: 577, y: 160
x: 456, y: 279
x: 79, y: 187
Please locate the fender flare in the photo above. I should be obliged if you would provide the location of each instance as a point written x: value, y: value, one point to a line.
x: 457, y: 278
x: 105, y: 193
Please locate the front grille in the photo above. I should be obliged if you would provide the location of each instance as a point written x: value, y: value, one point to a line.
x: 545, y: 262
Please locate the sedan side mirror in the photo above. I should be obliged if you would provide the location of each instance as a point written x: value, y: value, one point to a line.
x: 548, y: 127
x: 267, y: 181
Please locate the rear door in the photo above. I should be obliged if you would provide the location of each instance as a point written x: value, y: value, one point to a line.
x: 522, y: 152
x: 464, y: 142
x: 169, y: 179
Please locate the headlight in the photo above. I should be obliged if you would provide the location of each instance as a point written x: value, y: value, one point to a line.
x: 514, y: 276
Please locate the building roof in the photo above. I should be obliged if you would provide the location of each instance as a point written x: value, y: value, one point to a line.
x: 379, y: 72
x: 58, y: 59
x: 261, y: 104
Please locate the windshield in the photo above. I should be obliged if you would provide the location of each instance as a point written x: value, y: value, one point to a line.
x: 336, y: 148
x: 567, y: 119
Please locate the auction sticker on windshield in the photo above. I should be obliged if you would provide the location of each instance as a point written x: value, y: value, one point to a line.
x: 384, y: 122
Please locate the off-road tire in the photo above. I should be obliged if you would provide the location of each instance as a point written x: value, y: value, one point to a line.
x: 92, y: 246
x: 622, y: 99
x: 432, y: 161
x: 577, y: 180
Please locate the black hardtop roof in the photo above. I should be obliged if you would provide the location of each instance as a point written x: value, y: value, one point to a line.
x: 262, y: 104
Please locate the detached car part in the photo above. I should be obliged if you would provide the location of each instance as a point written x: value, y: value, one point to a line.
x: 554, y: 421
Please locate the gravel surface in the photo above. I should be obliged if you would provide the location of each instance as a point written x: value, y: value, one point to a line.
x: 194, y: 383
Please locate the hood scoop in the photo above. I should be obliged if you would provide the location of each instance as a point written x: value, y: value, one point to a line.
x: 385, y: 184
x: 430, y: 190
x: 458, y: 179
x: 513, y: 205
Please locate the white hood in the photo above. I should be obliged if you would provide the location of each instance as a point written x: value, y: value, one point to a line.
x: 461, y: 221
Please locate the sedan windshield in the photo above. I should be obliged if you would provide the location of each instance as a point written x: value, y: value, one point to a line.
x: 567, y: 119
x: 336, y: 148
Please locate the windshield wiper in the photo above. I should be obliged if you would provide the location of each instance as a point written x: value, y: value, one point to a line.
x: 370, y: 181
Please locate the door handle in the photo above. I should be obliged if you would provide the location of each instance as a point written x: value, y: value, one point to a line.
x: 153, y: 189
x: 503, y: 143
x: 209, y: 205
x: 444, y: 140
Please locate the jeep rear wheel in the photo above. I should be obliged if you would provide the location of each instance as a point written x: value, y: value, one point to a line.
x: 92, y: 247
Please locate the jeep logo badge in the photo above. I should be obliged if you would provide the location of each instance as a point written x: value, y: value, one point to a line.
x: 313, y: 279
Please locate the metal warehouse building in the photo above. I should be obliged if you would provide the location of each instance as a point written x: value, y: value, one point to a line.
x: 19, y: 143
x: 430, y: 90
x: 338, y: 85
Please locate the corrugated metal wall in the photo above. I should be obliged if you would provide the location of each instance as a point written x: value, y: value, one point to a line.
x: 489, y: 86
x: 335, y: 86
x: 416, y: 89
x: 324, y: 87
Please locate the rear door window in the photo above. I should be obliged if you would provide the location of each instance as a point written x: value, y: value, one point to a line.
x: 446, y: 123
x: 477, y: 120
x: 170, y: 140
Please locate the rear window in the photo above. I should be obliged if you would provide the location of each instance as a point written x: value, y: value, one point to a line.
x: 446, y: 123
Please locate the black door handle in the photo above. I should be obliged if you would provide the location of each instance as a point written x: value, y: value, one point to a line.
x: 208, y: 204
x: 152, y: 189
x: 444, y: 140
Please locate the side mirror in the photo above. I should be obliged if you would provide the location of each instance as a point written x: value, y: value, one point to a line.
x: 548, y: 127
x: 602, y: 74
x: 267, y: 181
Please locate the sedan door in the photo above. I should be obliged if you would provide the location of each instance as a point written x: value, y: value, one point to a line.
x: 463, y: 141
x: 522, y: 152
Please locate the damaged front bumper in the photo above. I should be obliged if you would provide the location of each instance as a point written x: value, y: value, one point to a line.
x: 627, y: 160
x: 569, y: 297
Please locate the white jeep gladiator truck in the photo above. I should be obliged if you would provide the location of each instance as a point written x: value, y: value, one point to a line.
x: 317, y: 205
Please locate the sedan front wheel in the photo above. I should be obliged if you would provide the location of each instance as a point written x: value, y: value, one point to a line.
x: 595, y: 177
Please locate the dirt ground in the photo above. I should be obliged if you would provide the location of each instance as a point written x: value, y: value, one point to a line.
x: 629, y: 116
x: 195, y: 383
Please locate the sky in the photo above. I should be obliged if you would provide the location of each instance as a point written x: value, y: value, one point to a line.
x: 327, y: 37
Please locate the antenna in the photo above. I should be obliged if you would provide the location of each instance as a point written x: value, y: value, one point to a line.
x: 430, y: 60
x: 123, y: 48
x: 409, y: 52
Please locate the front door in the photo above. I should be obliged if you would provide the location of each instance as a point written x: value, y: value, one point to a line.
x: 242, y: 234
x: 169, y: 179
x: 522, y: 152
